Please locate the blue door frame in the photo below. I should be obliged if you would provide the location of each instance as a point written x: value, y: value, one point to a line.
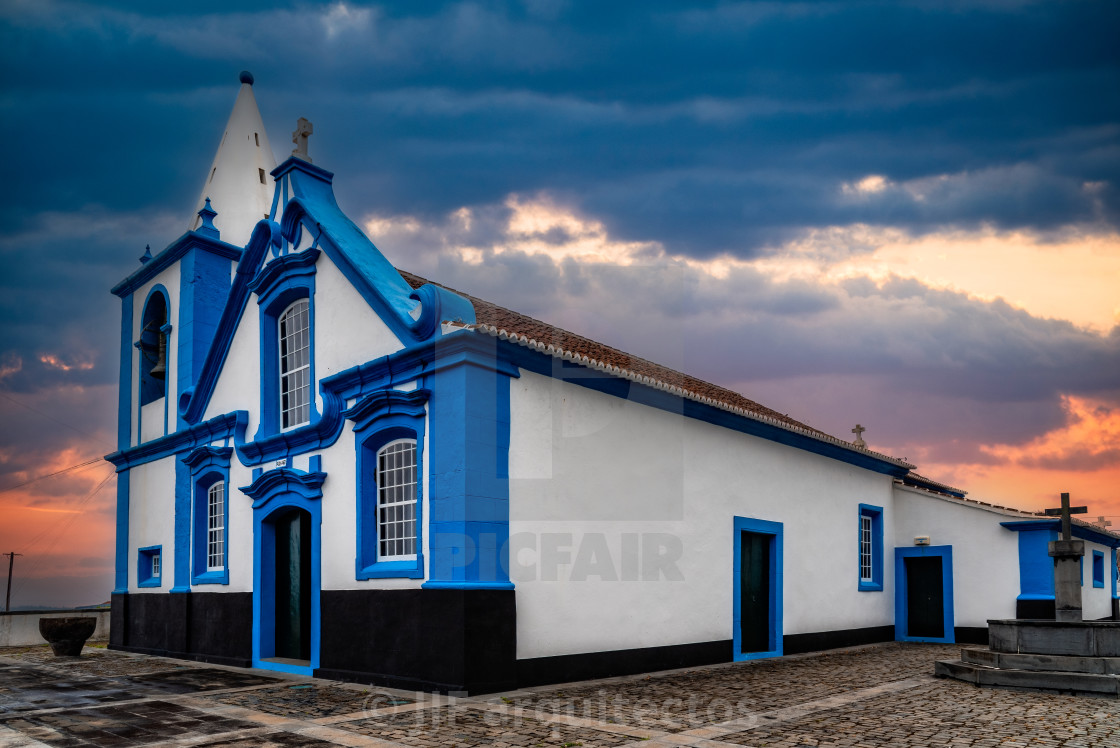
x: 901, y: 622
x: 774, y: 530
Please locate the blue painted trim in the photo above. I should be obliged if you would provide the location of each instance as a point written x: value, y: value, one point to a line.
x: 1081, y: 569
x: 468, y: 485
x: 1113, y: 574
x: 900, y: 587
x: 170, y: 255
x: 777, y: 580
x: 573, y: 373
x: 121, y: 556
x: 1078, y: 531
x: 1098, y: 569
x: 273, y: 493
x: 280, y: 284
x: 193, y: 402
x: 312, y: 206
x: 124, y: 393
x: 380, y: 418
x: 204, y: 283
x: 182, y: 516
x: 226, y: 426
x: 207, y: 466
x: 1036, y: 567
x: 876, y: 514
x: 144, y: 558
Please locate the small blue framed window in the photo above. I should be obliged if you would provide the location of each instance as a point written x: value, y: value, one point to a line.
x: 149, y: 570
x: 870, y: 548
x: 1098, y: 569
x: 209, y: 485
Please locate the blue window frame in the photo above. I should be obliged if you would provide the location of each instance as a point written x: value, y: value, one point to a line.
x: 1098, y: 569
x: 870, y: 545
x: 149, y: 569
x: 209, y: 484
x: 285, y: 289
x: 389, y: 437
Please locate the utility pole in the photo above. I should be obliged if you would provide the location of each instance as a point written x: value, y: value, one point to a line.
x: 11, y: 561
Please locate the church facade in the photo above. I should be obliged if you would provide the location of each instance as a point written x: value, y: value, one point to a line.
x: 330, y: 466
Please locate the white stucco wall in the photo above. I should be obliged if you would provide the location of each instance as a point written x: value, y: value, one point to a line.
x: 595, y: 477
x: 1096, y: 602
x: 151, y: 519
x: 985, y: 554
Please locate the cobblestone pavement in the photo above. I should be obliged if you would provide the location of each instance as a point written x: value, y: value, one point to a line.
x: 881, y: 696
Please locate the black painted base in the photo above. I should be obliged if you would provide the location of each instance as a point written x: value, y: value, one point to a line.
x: 797, y: 643
x: 1034, y: 610
x: 215, y: 627
x: 451, y: 641
x: 564, y: 668
x: 971, y: 634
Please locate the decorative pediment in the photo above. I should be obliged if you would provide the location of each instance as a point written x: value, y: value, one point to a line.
x: 382, y: 403
x: 276, y: 483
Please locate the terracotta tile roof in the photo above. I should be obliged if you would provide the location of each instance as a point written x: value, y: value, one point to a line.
x: 488, y: 314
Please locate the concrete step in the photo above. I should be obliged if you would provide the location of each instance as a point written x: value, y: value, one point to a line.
x: 1058, y: 663
x: 1049, y: 680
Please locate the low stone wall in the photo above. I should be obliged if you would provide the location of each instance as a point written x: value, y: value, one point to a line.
x: 21, y: 628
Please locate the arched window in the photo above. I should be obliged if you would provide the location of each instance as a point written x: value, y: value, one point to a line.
x: 153, y: 349
x: 216, y: 526
x: 295, y: 365
x: 396, y: 500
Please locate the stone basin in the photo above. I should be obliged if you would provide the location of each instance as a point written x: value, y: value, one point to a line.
x: 67, y: 636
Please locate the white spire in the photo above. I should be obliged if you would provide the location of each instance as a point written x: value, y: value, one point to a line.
x: 238, y: 183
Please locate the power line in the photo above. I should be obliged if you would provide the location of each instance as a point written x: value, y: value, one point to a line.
x: 59, y: 532
x: 87, y: 463
x: 49, y: 417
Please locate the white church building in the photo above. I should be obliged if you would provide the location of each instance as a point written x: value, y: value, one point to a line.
x: 330, y: 466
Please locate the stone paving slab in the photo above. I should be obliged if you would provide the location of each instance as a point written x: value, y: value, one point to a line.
x: 951, y: 714
x: 881, y: 696
x: 311, y: 701
x: 463, y: 726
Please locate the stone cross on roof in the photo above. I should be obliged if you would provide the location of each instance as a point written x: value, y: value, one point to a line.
x: 299, y: 137
x: 1064, y: 513
x: 858, y: 431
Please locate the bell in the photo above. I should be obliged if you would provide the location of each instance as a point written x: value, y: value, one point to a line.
x: 159, y: 371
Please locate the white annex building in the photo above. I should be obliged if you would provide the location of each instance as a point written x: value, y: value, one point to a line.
x: 333, y: 467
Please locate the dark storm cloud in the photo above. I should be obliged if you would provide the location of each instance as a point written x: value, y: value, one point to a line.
x: 705, y: 128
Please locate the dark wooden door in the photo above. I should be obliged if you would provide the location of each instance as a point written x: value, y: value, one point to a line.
x: 754, y: 592
x: 925, y: 597
x: 293, y: 585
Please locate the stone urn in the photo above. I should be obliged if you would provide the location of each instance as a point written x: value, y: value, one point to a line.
x: 67, y: 636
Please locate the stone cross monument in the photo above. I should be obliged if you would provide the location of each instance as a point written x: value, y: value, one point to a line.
x: 858, y: 431
x: 299, y: 137
x: 1067, y: 554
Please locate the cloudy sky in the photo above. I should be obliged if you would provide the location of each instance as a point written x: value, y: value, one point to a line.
x: 902, y: 214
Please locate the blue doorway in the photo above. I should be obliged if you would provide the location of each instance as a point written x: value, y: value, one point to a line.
x: 757, y: 612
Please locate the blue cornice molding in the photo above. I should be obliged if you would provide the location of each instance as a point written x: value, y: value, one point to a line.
x: 1055, y: 525
x: 225, y: 426
x: 268, y: 485
x: 171, y: 254
x: 379, y: 405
